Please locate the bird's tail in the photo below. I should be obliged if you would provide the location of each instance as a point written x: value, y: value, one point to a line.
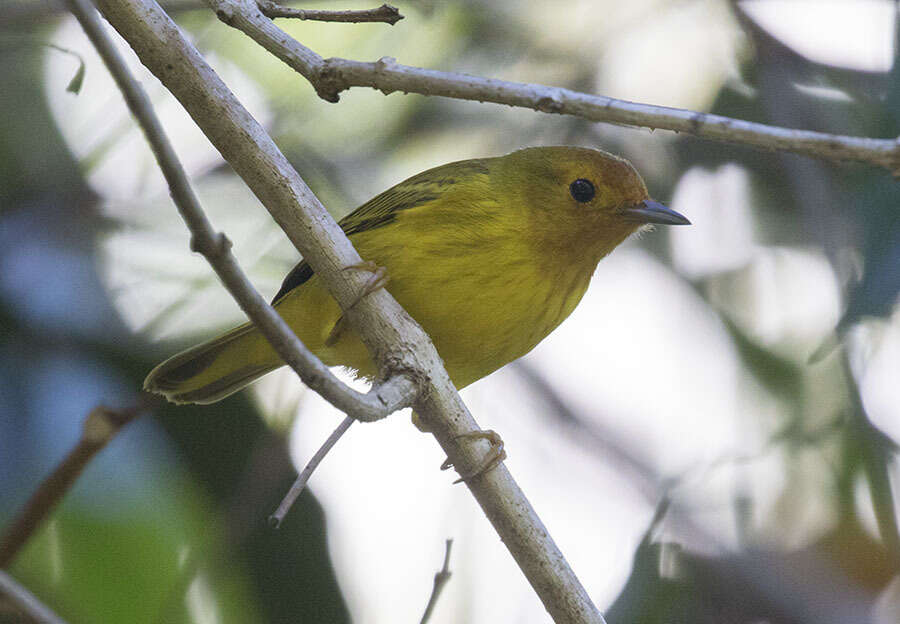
x: 214, y: 369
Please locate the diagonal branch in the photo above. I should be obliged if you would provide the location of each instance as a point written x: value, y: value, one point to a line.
x: 100, y: 426
x: 384, y: 398
x: 26, y: 602
x: 396, y: 342
x: 290, y: 498
x: 332, y: 76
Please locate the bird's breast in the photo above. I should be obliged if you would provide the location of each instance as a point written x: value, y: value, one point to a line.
x: 488, y: 306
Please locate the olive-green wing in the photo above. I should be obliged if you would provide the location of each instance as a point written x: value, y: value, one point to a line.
x: 382, y: 209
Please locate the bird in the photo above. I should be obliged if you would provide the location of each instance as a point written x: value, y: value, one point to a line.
x: 489, y: 255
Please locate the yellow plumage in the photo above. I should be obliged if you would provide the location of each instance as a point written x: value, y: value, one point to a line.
x: 488, y: 255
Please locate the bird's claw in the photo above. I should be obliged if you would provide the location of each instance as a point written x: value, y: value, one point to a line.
x: 376, y: 281
x: 495, y: 455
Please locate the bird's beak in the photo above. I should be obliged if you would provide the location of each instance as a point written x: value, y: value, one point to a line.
x: 649, y: 211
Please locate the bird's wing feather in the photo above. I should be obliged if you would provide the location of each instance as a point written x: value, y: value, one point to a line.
x: 297, y: 277
x: 382, y: 209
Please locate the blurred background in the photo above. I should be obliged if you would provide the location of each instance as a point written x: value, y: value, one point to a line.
x: 690, y: 460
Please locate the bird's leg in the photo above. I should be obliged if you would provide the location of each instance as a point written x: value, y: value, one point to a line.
x: 376, y: 281
x: 494, y: 456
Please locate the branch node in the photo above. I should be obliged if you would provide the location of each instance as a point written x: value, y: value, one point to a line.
x: 385, y: 62
x: 550, y: 103
x: 225, y: 14
x: 397, y: 391
x: 696, y: 120
x: 381, y: 65
x: 223, y: 243
x: 391, y: 13
x: 329, y: 82
x: 210, y: 245
x: 98, y: 427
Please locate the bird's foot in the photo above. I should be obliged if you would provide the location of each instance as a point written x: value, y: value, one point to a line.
x: 494, y: 456
x: 377, y: 280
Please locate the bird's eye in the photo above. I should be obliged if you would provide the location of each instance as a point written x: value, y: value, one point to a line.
x: 582, y: 190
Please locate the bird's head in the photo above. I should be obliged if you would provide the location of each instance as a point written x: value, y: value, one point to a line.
x: 585, y: 199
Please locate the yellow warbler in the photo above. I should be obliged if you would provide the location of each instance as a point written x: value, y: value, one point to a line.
x: 488, y: 255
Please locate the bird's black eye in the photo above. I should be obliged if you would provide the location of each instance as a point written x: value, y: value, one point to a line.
x: 582, y: 190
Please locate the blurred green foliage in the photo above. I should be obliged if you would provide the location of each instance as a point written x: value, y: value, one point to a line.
x: 199, y: 532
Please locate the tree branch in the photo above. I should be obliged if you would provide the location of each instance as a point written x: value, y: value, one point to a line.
x: 440, y: 579
x: 25, y: 600
x: 24, y: 15
x: 396, y: 342
x: 332, y: 76
x: 385, y: 13
x: 100, y: 426
x: 876, y: 451
x: 384, y: 398
x: 278, y: 517
x: 28, y: 12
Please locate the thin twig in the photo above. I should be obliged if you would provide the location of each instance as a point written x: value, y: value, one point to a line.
x: 386, y: 14
x: 395, y: 341
x: 332, y: 76
x: 277, y: 518
x: 27, y: 602
x: 100, y: 426
x: 440, y: 579
x: 875, y: 452
x: 383, y: 399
